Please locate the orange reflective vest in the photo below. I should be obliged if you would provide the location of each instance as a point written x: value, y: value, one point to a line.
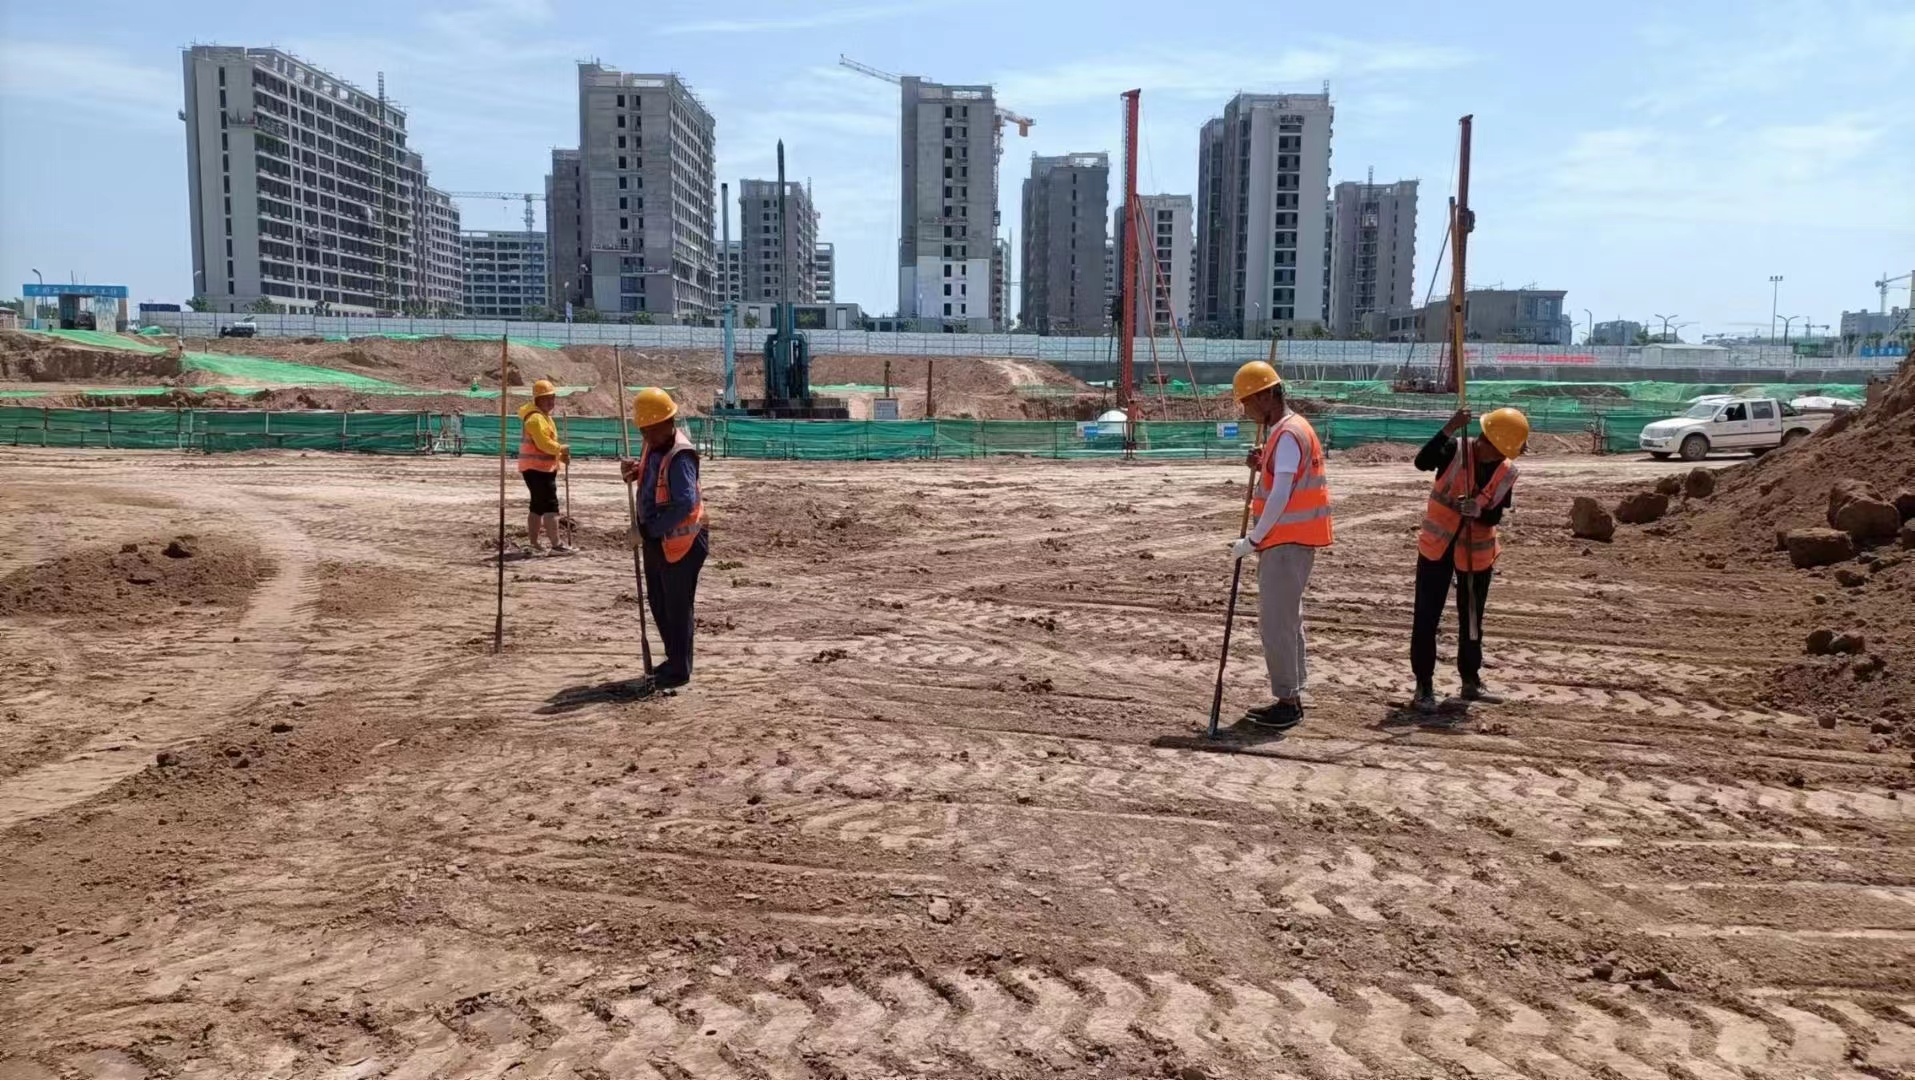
x: 1443, y: 519
x: 531, y: 458
x: 680, y: 539
x: 1306, y: 516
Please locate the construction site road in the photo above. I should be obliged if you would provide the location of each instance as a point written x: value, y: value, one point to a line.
x: 270, y: 806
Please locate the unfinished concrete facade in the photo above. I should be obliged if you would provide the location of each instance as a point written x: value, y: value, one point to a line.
x: 824, y: 273
x: 1263, y: 173
x: 1372, y: 251
x: 302, y: 193
x: 647, y: 150
x: 1165, y: 300
x: 948, y: 204
x: 441, y: 262
x: 773, y: 255
x: 565, y: 232
x: 1066, y: 200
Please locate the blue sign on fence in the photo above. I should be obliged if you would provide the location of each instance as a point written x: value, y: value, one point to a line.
x: 1227, y: 430
x: 1883, y: 350
x: 110, y: 292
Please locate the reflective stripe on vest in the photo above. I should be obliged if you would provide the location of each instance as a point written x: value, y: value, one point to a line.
x: 1305, y: 518
x: 1443, y: 518
x: 680, y: 539
x: 531, y: 458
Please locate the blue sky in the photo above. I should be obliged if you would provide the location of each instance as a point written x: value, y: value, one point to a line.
x: 1647, y: 157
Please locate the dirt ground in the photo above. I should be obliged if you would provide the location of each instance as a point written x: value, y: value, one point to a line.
x: 927, y: 809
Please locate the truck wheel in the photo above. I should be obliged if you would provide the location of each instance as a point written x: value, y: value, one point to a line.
x: 1695, y: 448
x: 1758, y: 451
x: 1659, y: 455
x: 1795, y: 435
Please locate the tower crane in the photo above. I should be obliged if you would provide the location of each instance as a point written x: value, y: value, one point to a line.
x: 1886, y: 281
x: 1002, y: 117
x: 528, y: 196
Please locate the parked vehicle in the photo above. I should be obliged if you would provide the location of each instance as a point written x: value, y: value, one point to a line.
x: 243, y: 328
x: 1752, y: 425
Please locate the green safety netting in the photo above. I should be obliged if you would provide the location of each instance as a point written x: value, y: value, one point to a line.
x: 282, y: 373
x: 101, y: 339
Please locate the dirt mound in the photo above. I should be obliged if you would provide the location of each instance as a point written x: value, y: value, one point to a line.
x: 112, y: 583
x: 1865, y: 457
x: 1377, y: 453
x: 26, y: 357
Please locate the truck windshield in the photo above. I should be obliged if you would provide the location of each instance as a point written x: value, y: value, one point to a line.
x: 1702, y: 411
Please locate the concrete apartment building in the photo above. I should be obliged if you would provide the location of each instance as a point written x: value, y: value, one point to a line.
x: 731, y: 271
x: 1511, y: 316
x: 441, y: 263
x: 1615, y: 332
x: 1165, y: 301
x: 648, y: 180
x: 1263, y: 174
x: 301, y: 189
x: 566, y: 268
x: 1066, y: 200
x: 948, y: 205
x: 774, y: 253
x: 1000, y: 285
x: 824, y: 273
x: 1372, y: 252
x: 505, y: 273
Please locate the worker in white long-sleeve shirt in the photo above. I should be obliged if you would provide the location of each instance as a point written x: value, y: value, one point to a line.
x: 1291, y: 511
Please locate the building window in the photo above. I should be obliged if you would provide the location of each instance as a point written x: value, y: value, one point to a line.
x: 947, y: 286
x: 947, y: 309
x: 947, y: 153
x: 621, y: 202
x: 621, y: 161
x: 947, y: 269
x: 621, y: 183
x: 621, y: 119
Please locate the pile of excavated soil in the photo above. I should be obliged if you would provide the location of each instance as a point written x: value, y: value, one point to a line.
x: 36, y: 358
x: 110, y: 584
x: 1871, y: 597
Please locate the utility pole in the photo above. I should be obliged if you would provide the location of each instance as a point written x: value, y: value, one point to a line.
x: 1125, y: 277
x: 1775, y: 296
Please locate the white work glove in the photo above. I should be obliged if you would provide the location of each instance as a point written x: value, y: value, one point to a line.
x: 1242, y: 548
x: 635, y: 538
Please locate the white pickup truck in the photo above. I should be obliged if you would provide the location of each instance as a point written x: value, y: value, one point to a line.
x: 1754, y: 425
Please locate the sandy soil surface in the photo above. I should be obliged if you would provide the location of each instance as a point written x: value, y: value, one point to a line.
x: 927, y: 809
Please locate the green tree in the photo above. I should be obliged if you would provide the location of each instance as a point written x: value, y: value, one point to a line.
x: 263, y: 306
x: 198, y: 303
x: 643, y: 318
x: 587, y: 314
x: 751, y: 320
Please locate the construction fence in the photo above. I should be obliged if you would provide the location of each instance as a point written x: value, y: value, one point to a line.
x: 1383, y: 356
x: 232, y: 430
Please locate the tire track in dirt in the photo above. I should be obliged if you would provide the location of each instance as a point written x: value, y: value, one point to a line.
x: 444, y: 1008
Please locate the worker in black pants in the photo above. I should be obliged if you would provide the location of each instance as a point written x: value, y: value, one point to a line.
x: 1458, y: 541
x: 672, y: 528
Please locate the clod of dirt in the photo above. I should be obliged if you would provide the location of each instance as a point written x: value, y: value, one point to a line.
x: 1867, y: 668
x: 1849, y: 644
x: 1908, y: 534
x: 1878, y: 745
x: 176, y: 549
x: 1826, y: 721
x: 1819, y: 641
x: 830, y: 656
x: 1699, y: 484
x: 1868, y: 520
x: 1669, y: 485
x: 1642, y: 508
x: 166, y: 758
x: 1588, y: 520
x: 939, y: 910
x: 1850, y: 579
x: 1819, y: 547
x: 1846, y: 491
x: 109, y: 584
x: 281, y: 727
x: 1905, y: 504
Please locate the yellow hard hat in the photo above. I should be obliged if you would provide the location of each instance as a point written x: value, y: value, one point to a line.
x: 1507, y: 430
x: 652, y: 406
x: 1254, y: 378
x: 544, y: 388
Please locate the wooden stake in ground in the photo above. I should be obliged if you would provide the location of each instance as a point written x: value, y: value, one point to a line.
x: 498, y: 619
x: 565, y: 519
x: 1462, y: 221
x: 631, y: 504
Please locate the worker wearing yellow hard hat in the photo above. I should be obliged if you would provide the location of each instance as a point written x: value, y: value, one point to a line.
x: 540, y: 455
x: 1458, y: 542
x: 1290, y: 515
x: 671, y: 528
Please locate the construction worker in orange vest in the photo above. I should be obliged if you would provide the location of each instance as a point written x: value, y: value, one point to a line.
x: 671, y: 528
x: 540, y: 455
x: 1458, y: 541
x: 1290, y: 508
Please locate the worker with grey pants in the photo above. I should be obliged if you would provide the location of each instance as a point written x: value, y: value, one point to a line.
x: 1290, y: 505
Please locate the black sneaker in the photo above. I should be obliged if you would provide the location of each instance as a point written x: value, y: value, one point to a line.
x: 1276, y: 716
x: 1425, y: 699
x: 1474, y: 690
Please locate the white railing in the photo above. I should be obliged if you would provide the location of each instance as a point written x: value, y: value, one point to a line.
x: 1382, y: 356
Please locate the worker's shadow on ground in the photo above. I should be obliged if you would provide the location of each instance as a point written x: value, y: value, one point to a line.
x: 616, y: 692
x: 1448, y: 717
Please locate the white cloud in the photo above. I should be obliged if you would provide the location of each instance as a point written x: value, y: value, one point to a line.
x: 82, y: 76
x: 811, y: 21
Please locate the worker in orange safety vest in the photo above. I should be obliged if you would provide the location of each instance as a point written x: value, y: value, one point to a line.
x: 1290, y: 513
x: 540, y: 455
x: 671, y: 528
x: 1458, y: 541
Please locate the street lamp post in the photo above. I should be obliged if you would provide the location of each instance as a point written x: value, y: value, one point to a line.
x: 1256, y: 318
x: 1775, y: 296
x: 1785, y: 326
x: 1666, y: 320
x: 41, y: 278
x: 1591, y: 339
